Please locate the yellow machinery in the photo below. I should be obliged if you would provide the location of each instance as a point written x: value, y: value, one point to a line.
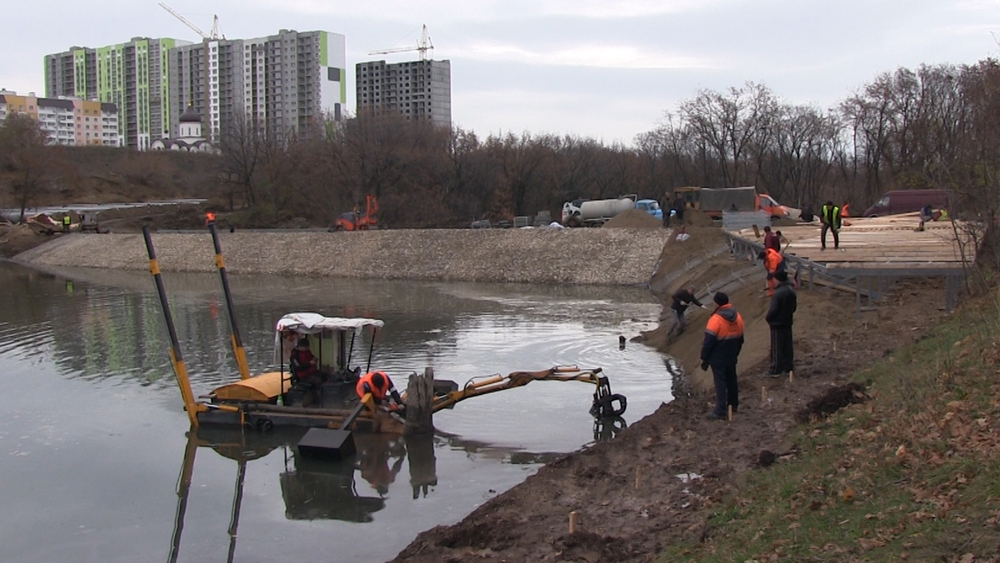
x: 262, y: 401
x: 604, y: 405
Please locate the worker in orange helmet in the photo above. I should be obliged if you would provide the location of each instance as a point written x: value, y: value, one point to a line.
x: 774, y: 262
x: 379, y: 385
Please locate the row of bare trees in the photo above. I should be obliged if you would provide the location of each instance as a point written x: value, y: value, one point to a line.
x: 935, y: 127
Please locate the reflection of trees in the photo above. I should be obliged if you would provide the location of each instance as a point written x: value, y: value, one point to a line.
x: 111, y: 325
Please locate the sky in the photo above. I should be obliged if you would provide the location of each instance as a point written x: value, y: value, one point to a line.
x: 589, y: 68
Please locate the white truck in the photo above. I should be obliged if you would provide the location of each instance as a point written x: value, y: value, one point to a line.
x: 594, y: 213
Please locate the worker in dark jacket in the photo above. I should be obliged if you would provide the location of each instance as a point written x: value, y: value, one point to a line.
x: 680, y: 301
x: 771, y: 239
x: 303, y: 366
x: 720, y: 350
x: 779, y: 318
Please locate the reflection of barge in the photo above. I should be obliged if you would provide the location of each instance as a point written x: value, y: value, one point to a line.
x: 274, y: 399
x: 311, y: 490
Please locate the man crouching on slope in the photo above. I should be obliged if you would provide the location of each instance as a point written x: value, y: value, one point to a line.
x: 721, y: 348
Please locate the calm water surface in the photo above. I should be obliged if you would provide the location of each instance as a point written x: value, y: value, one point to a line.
x: 94, y: 444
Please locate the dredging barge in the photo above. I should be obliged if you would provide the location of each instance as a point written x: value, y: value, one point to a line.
x: 275, y: 398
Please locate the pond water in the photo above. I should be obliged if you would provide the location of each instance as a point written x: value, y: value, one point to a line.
x: 98, y: 463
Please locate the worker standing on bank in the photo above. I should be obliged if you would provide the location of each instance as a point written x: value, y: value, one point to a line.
x: 66, y: 222
x: 774, y: 262
x: 831, y: 218
x: 720, y: 351
x: 779, y: 319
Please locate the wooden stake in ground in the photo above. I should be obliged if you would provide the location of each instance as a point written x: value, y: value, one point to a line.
x: 572, y: 522
x: 638, y: 477
x: 791, y: 376
x: 763, y: 394
x: 730, y: 413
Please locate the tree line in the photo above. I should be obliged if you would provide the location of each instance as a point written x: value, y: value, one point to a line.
x: 933, y: 127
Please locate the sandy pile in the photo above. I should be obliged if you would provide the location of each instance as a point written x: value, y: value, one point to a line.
x: 633, y: 219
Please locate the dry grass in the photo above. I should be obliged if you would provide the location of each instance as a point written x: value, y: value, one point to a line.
x: 910, y: 475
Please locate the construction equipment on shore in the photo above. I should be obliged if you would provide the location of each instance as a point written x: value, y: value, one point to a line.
x: 355, y: 221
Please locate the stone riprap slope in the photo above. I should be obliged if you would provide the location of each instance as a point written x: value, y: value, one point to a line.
x: 578, y: 256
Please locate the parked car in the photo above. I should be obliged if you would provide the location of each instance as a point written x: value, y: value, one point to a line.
x: 895, y: 202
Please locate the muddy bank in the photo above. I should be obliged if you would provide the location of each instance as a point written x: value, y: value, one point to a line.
x: 577, y: 256
x: 659, y: 480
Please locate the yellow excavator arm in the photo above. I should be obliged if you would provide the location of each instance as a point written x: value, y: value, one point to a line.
x: 603, y: 398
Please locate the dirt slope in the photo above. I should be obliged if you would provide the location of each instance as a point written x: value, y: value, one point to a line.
x: 622, y: 520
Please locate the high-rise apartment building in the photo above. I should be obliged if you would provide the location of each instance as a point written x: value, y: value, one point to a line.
x: 66, y: 121
x: 286, y: 83
x: 134, y: 76
x: 416, y: 90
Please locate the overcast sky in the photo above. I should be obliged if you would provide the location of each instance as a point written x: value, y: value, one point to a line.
x: 600, y: 69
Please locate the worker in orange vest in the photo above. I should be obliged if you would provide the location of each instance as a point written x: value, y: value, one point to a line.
x: 379, y: 385
x: 774, y: 262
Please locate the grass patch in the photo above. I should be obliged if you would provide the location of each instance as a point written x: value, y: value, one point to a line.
x: 913, y: 474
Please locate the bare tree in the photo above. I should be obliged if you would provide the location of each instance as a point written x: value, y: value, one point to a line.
x: 25, y: 159
x: 244, y: 150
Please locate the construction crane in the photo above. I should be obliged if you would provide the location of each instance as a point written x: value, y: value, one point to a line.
x: 215, y: 34
x: 422, y: 47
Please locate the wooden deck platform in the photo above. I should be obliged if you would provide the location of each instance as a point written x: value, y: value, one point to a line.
x: 878, y: 242
x: 873, y: 252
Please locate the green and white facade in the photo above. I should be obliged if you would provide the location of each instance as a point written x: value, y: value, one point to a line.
x: 287, y: 83
x: 134, y: 76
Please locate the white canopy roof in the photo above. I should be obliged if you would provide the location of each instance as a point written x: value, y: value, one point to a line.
x: 312, y: 323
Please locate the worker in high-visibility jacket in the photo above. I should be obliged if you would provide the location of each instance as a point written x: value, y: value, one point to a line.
x: 774, y: 262
x: 379, y: 385
x: 720, y: 351
x: 830, y: 216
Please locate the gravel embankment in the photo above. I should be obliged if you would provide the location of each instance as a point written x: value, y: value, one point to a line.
x: 577, y: 256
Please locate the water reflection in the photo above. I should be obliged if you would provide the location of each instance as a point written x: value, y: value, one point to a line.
x: 95, y: 342
x: 311, y: 489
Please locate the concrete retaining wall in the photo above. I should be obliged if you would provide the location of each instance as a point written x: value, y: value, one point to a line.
x: 577, y: 256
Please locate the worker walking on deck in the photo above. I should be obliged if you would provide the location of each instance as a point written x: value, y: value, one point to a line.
x: 831, y: 218
x: 680, y: 301
x: 774, y: 262
x: 379, y: 385
x: 720, y: 351
x: 779, y: 318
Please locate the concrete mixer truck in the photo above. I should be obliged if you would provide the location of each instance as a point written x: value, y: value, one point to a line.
x: 594, y: 213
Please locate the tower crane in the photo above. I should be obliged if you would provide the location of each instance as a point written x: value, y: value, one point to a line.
x: 215, y: 34
x: 422, y: 46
